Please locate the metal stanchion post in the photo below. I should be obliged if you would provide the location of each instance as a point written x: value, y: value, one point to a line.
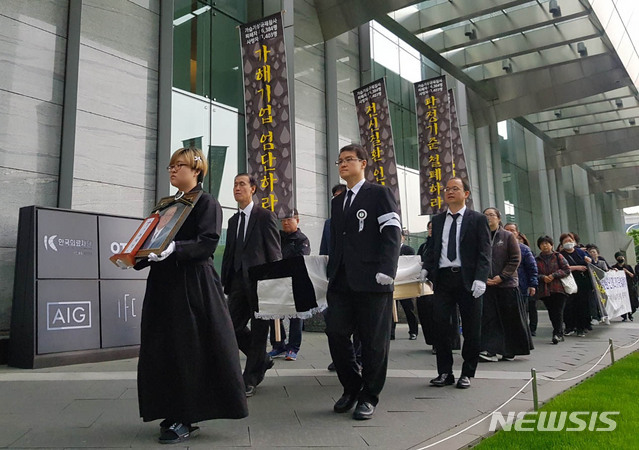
x: 533, y: 372
x: 612, y: 351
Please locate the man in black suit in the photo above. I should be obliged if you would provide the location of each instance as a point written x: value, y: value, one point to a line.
x: 252, y: 238
x: 363, y: 253
x: 457, y: 261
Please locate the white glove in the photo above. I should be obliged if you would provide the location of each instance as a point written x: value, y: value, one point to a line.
x: 165, y: 254
x: 478, y: 288
x: 423, y: 276
x: 383, y: 279
x: 122, y: 265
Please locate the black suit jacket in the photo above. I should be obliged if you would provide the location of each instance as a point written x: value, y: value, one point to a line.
x: 474, y: 248
x: 365, y: 253
x: 261, y: 244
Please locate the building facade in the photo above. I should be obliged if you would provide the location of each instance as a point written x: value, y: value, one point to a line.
x: 95, y: 95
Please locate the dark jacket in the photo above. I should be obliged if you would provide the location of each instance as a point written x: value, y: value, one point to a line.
x: 505, y: 258
x: 294, y: 244
x: 189, y: 366
x: 406, y: 250
x: 555, y: 265
x: 474, y: 248
x: 326, y: 237
x: 527, y: 270
x: 373, y: 249
x: 261, y: 244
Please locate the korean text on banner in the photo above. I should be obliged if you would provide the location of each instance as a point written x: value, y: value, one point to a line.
x: 268, y: 126
x: 376, y: 135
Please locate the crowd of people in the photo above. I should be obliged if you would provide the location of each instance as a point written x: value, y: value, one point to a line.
x: 486, y: 281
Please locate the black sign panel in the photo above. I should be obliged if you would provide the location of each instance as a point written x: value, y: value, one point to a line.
x: 68, y: 315
x: 67, y: 245
x: 121, y: 311
x: 114, y: 235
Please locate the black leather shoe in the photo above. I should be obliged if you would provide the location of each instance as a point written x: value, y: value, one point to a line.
x: 444, y: 379
x: 345, y: 403
x: 250, y: 390
x: 463, y: 382
x: 363, y: 411
x: 268, y: 364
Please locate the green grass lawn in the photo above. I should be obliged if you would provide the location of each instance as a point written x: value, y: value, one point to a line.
x: 612, y: 389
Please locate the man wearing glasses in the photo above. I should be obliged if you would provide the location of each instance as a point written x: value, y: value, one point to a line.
x: 457, y: 261
x: 363, y: 253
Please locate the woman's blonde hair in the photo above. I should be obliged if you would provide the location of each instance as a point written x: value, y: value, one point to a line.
x: 194, y: 158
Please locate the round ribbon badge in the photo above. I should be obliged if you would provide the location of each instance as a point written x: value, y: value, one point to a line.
x: 361, y: 215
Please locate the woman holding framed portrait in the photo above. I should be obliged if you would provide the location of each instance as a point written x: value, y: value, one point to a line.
x: 189, y: 368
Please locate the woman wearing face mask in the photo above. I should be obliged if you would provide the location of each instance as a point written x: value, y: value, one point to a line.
x: 504, y: 328
x: 577, y: 311
x: 630, y: 280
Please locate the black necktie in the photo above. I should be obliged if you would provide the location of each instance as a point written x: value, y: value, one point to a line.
x: 451, y: 254
x: 239, y: 243
x: 349, y: 198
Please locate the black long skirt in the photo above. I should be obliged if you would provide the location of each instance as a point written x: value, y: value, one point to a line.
x: 189, y: 368
x: 504, y: 328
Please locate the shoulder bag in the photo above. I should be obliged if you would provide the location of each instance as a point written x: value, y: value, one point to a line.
x: 569, y: 283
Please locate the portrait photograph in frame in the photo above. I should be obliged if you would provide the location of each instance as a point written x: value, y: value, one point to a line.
x: 172, y: 212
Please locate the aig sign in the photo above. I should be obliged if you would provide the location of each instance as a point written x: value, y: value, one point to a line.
x: 68, y: 315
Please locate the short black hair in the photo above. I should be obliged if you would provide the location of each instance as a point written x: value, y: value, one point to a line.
x: 357, y: 149
x: 618, y: 254
x: 464, y: 183
x: 338, y: 187
x: 251, y: 178
x: 543, y: 239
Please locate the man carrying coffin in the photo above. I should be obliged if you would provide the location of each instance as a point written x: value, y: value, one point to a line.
x: 363, y: 254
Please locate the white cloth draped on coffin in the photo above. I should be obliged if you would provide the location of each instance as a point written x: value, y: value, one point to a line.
x: 296, y: 287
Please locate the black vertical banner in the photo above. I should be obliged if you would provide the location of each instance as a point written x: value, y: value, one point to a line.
x: 268, y: 125
x: 435, y: 147
x: 460, y: 169
x: 376, y: 135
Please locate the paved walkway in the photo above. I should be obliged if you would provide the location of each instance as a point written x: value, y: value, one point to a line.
x: 95, y: 405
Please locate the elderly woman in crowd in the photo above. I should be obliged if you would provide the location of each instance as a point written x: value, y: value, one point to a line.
x: 552, y: 267
x: 577, y: 312
x: 504, y: 329
x: 527, y: 274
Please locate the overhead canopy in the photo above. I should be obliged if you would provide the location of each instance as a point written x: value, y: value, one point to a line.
x: 564, y: 69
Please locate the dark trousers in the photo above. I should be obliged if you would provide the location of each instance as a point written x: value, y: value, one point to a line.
x: 294, y: 335
x: 370, y: 314
x: 555, y: 304
x: 409, y: 311
x: 533, y: 317
x: 577, y: 311
x: 450, y: 291
x: 252, y: 342
x: 425, y: 314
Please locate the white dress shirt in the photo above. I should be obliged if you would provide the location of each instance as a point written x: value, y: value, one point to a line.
x: 355, y: 189
x: 443, y: 259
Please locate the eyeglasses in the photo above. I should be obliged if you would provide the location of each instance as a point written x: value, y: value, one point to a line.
x: 339, y: 162
x: 491, y: 215
x: 452, y: 189
x: 175, y: 167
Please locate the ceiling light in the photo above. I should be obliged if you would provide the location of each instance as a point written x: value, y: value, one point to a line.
x: 619, y: 103
x: 554, y: 8
x: 507, y: 66
x: 558, y: 113
x: 582, y: 49
x: 470, y: 32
